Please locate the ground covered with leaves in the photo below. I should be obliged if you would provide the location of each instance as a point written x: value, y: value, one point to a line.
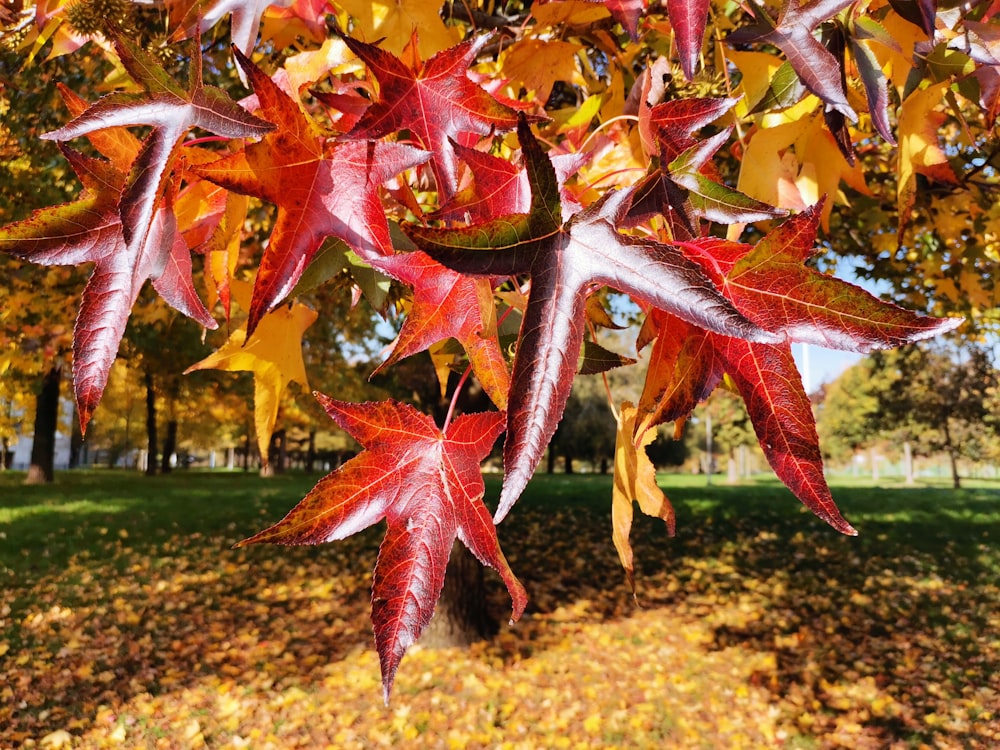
x: 126, y: 620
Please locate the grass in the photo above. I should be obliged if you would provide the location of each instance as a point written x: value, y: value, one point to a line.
x: 127, y: 619
x: 46, y: 526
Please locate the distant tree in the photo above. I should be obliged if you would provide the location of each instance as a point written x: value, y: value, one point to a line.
x: 847, y: 412
x: 162, y: 344
x: 937, y: 397
x: 667, y: 452
x: 587, y: 429
x: 721, y: 427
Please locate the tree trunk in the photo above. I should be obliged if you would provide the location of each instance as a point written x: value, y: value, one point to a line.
x: 550, y: 465
x: 461, y: 616
x: 956, y: 480
x: 43, y: 448
x: 908, y: 462
x: 732, y: 468
x: 311, y: 452
x: 150, y: 424
x: 5, y: 455
x: 746, y: 464
x: 75, y: 439
x: 708, y: 447
x: 568, y: 461
x: 169, y: 446
x: 277, y: 451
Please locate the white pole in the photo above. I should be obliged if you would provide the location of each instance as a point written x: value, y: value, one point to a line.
x: 806, y: 370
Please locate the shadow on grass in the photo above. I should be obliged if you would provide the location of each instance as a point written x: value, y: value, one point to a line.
x: 141, y: 594
x: 893, y: 631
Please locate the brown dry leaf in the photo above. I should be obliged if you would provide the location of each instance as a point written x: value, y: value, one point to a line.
x: 635, y: 481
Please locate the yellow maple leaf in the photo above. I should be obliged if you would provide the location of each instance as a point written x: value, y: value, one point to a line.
x: 971, y: 283
x: 445, y: 358
x: 952, y: 216
x: 896, y: 60
x: 538, y: 63
x: 635, y: 481
x: 308, y: 67
x: 579, y: 13
x: 273, y: 354
x: 919, y: 152
x: 394, y: 21
x: 823, y: 166
x: 770, y: 167
x: 222, y: 250
x: 756, y: 71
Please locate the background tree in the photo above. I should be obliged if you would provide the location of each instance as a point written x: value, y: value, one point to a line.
x: 161, y: 344
x: 937, y: 397
x: 720, y: 427
x: 848, y: 415
x: 36, y: 340
x: 587, y: 430
x: 923, y: 400
x: 119, y: 429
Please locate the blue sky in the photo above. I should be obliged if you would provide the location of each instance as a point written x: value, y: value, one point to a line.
x: 819, y: 366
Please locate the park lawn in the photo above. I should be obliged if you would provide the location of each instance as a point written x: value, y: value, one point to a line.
x: 127, y: 620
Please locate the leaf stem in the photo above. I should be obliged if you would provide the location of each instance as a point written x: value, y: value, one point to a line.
x: 599, y: 128
x: 465, y: 376
x: 604, y: 376
x: 205, y: 139
x: 454, y: 398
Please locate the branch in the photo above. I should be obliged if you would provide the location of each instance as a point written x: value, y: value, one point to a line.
x: 481, y: 20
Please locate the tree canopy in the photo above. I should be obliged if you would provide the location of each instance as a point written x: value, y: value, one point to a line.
x: 931, y: 398
x: 485, y: 172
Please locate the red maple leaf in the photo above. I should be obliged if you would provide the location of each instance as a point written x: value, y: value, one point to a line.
x: 686, y: 187
x: 436, y: 101
x: 566, y: 261
x: 627, y: 13
x: 501, y: 187
x: 792, y: 33
x: 688, y: 19
x: 194, y: 17
x: 323, y: 188
x: 89, y: 230
x: 772, y: 286
x: 687, y: 364
x: 447, y: 304
x: 427, y: 485
x: 171, y: 111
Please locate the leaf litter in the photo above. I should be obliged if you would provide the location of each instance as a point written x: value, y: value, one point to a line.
x: 746, y: 636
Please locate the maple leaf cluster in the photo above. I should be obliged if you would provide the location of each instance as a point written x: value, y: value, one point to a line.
x: 500, y: 226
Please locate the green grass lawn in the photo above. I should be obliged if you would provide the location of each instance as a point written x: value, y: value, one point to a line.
x: 126, y: 619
